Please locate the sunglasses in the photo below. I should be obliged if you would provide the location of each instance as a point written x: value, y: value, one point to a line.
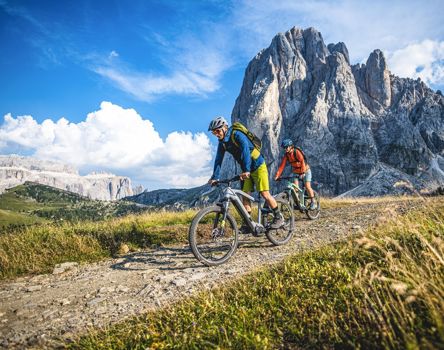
x: 217, y: 131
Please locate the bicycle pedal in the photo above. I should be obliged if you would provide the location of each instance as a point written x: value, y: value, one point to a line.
x: 259, y: 231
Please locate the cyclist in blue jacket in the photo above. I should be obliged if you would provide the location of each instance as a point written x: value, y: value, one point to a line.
x: 254, y: 169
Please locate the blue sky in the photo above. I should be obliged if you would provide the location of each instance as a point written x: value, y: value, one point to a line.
x: 129, y: 87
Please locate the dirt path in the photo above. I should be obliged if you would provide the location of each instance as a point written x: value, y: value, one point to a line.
x: 35, y: 311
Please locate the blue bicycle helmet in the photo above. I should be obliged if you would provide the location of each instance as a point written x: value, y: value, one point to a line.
x: 286, y: 142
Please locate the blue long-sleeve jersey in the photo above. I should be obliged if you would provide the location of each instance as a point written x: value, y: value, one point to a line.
x: 241, y: 152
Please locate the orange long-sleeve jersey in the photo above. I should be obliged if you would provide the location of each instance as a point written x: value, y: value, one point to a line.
x: 296, y: 160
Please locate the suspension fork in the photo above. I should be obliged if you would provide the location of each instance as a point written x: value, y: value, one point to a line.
x: 225, y: 207
x: 292, y: 197
x: 294, y: 194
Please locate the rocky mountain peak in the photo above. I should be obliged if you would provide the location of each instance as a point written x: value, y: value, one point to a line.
x: 351, y: 120
x: 340, y: 48
x: 315, y: 49
x: 377, y: 78
x: 307, y: 44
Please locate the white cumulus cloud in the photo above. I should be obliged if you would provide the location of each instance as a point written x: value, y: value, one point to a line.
x: 113, y: 139
x: 423, y: 60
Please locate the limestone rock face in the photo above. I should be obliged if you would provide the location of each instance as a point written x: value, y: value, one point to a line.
x: 352, y: 121
x: 377, y: 78
x: 15, y: 170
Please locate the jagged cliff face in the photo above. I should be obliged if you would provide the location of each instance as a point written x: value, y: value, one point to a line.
x: 353, y: 122
x: 15, y: 170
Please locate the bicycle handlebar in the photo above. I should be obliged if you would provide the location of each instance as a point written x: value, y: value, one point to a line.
x: 226, y: 181
x: 206, y: 193
x: 288, y: 178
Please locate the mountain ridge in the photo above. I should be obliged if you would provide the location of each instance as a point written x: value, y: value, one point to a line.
x: 15, y: 170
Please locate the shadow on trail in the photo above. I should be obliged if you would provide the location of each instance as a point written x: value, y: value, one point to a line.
x: 176, y: 258
x: 165, y: 258
x: 249, y: 241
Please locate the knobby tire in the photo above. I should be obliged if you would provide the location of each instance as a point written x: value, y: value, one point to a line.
x: 212, y: 241
x: 282, y: 235
x: 313, y: 214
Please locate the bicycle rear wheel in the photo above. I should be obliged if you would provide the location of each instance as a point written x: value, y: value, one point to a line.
x: 282, y: 235
x: 213, y: 241
x: 313, y: 214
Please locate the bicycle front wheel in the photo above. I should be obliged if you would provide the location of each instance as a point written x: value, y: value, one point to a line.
x: 313, y: 214
x: 282, y: 235
x: 213, y: 240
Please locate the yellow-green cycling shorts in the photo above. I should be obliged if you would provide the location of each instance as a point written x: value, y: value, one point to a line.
x: 258, y: 178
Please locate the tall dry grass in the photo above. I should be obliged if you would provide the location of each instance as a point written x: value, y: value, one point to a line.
x: 37, y: 249
x: 401, y: 280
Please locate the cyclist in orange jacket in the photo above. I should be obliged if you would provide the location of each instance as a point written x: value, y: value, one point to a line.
x: 299, y: 167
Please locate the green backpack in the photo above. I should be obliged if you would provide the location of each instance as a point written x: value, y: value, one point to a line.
x: 252, y: 137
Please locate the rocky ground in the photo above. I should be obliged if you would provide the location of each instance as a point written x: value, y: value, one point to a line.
x: 47, y: 310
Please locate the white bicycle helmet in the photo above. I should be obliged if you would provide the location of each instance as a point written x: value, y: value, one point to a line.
x: 217, y: 123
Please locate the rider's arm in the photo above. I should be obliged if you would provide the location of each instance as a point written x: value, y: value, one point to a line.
x: 244, y: 145
x: 218, y: 161
x: 281, y: 167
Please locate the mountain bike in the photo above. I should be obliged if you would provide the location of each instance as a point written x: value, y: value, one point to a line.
x: 213, y: 234
x: 298, y: 197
